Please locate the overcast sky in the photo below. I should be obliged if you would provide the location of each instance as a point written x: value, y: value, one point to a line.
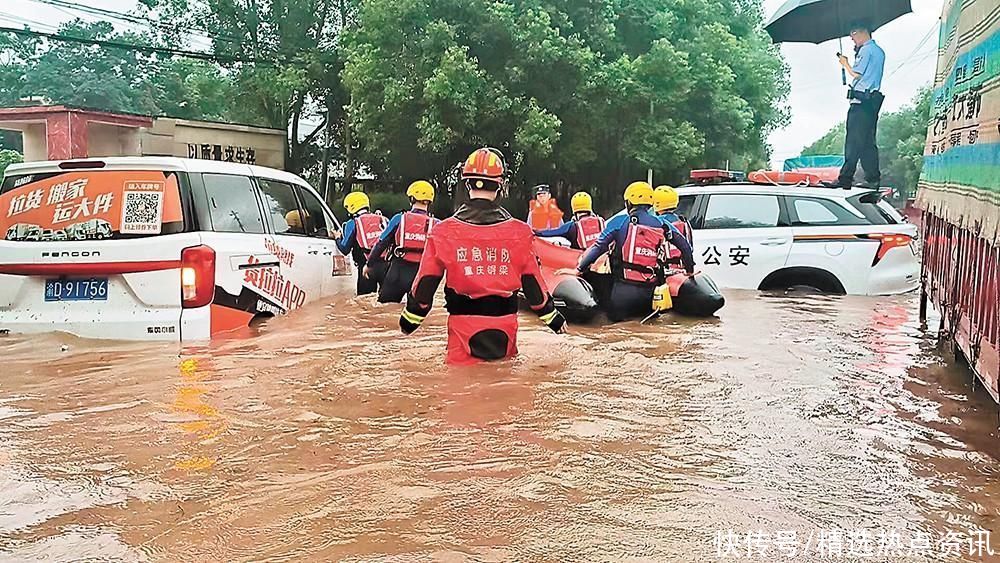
x: 817, y: 98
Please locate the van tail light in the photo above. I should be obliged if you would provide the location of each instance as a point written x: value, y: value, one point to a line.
x: 197, y: 276
x: 888, y: 241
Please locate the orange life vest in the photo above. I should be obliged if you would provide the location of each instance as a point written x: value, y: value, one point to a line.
x: 546, y: 216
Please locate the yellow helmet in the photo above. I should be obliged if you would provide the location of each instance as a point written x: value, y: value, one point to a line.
x: 639, y: 193
x: 421, y: 190
x: 665, y: 198
x: 356, y: 201
x: 581, y: 201
x: 294, y: 218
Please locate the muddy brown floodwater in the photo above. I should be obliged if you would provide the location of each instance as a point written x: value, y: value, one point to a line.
x: 326, y: 437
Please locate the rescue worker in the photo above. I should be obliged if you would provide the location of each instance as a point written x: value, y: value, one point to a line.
x: 296, y: 224
x: 543, y: 212
x: 403, y: 242
x: 488, y: 259
x: 585, y: 227
x: 665, y: 202
x: 636, y: 241
x: 359, y: 236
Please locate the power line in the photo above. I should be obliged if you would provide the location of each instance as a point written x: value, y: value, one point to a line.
x: 141, y: 48
x: 25, y: 21
x: 136, y: 19
x: 917, y: 48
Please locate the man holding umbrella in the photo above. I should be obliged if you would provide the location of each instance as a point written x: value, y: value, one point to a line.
x: 818, y: 21
x: 866, y: 103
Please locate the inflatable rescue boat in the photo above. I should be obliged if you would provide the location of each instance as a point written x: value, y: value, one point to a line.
x: 578, y: 299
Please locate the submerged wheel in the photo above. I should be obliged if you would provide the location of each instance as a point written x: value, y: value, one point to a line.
x: 813, y: 278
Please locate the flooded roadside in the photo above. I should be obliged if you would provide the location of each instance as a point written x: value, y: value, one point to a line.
x: 327, y: 437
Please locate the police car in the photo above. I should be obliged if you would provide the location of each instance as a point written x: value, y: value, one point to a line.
x: 766, y: 236
x: 159, y: 248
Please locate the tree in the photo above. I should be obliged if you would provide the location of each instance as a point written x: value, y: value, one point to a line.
x: 8, y: 157
x: 92, y: 76
x: 901, y: 138
x: 565, y: 87
x: 294, y: 73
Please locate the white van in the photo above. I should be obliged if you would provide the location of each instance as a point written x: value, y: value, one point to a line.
x: 159, y: 248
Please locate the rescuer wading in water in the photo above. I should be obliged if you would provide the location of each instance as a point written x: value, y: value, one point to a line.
x: 488, y: 258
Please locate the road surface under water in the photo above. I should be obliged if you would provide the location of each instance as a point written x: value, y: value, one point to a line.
x: 325, y: 436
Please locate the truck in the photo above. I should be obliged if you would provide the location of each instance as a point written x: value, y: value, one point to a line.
x: 959, y: 190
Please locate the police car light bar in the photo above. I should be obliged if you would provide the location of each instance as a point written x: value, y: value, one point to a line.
x: 715, y: 175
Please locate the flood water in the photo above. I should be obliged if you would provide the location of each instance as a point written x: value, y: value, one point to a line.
x: 326, y: 437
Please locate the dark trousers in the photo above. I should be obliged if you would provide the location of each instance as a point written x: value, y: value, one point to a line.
x: 366, y: 286
x: 861, y: 144
x: 630, y: 301
x: 398, y: 281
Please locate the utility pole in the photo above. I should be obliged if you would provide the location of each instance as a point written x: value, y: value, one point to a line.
x: 649, y: 173
x: 324, y: 176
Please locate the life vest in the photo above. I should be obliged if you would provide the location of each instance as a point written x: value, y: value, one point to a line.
x: 483, y: 265
x: 777, y: 177
x: 367, y: 228
x: 640, y: 253
x: 411, y: 235
x: 544, y: 217
x: 588, y: 230
x: 685, y: 229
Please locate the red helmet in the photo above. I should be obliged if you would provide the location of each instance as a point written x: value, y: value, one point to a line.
x: 485, y: 164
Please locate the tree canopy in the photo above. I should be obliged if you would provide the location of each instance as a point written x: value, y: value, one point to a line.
x: 565, y: 87
x: 901, y: 138
x: 579, y: 93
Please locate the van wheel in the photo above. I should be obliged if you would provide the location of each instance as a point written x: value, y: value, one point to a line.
x: 813, y: 278
x: 259, y: 319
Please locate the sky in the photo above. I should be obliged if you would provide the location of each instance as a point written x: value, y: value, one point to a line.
x: 817, y: 100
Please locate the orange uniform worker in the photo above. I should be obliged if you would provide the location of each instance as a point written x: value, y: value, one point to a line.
x: 543, y: 212
x: 486, y: 258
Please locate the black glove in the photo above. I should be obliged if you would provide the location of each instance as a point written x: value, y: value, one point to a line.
x: 555, y: 321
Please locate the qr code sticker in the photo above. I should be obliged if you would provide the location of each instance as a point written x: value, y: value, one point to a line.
x: 142, y: 213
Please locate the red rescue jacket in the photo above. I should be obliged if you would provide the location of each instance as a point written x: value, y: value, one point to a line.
x: 641, y: 252
x: 411, y: 235
x: 367, y: 228
x: 685, y: 228
x: 588, y: 230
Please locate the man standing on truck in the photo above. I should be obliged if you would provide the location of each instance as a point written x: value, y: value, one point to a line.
x: 866, y: 103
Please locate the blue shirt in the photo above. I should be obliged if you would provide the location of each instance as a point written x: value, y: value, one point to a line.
x: 347, y: 238
x: 617, y: 229
x: 870, y: 64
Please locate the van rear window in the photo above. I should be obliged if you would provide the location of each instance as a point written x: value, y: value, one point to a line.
x: 90, y: 205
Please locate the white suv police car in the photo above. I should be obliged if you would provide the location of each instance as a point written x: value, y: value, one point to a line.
x: 159, y: 248
x: 760, y: 236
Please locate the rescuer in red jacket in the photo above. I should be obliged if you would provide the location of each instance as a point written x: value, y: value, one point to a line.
x: 488, y: 259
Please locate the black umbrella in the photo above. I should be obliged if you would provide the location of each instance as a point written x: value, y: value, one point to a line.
x: 817, y: 21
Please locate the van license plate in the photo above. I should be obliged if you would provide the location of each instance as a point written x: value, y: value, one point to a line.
x: 93, y: 289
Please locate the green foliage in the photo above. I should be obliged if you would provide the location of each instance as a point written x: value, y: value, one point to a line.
x: 110, y: 78
x: 8, y: 157
x: 563, y: 87
x: 901, y: 138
